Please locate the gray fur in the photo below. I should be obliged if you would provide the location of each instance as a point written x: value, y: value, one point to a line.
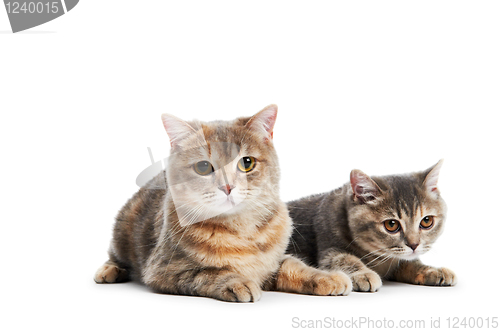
x: 232, y: 245
x: 344, y: 229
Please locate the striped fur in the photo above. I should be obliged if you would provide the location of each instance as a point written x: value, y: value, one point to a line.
x: 232, y: 255
x: 344, y: 229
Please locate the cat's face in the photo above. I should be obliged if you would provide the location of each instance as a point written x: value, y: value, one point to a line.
x: 221, y: 168
x: 396, y: 216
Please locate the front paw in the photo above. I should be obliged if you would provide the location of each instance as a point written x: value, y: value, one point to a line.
x: 332, y: 283
x: 432, y: 276
x: 366, y: 281
x: 240, y: 290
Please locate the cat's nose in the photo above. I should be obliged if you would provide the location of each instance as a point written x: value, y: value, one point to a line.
x: 413, y: 246
x: 226, y: 189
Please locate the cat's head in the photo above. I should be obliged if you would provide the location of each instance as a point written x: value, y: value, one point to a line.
x: 398, y: 216
x: 220, y: 168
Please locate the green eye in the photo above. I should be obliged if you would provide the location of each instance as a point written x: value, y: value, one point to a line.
x: 203, y: 167
x: 246, y: 164
x: 392, y: 226
x: 427, y: 222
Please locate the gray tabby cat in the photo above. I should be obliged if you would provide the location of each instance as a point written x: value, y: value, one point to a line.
x: 372, y: 228
x: 213, y: 224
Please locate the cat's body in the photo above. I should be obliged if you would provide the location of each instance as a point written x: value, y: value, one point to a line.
x: 373, y: 225
x: 213, y: 224
x: 153, y: 250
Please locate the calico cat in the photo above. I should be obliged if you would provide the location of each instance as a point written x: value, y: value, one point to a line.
x: 373, y: 228
x: 213, y: 224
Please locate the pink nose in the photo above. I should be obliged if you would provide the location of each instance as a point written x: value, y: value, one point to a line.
x: 413, y: 246
x: 226, y: 189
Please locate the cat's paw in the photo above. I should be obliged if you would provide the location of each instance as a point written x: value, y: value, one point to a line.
x: 110, y: 273
x: 240, y: 290
x: 432, y: 276
x: 332, y: 283
x: 366, y: 281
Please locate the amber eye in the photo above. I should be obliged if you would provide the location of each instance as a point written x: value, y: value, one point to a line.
x: 246, y: 164
x: 203, y: 168
x: 392, y: 226
x: 427, y: 222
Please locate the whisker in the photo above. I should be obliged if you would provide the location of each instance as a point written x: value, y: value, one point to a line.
x: 371, y: 253
x: 375, y: 259
x: 383, y: 261
x: 352, y: 241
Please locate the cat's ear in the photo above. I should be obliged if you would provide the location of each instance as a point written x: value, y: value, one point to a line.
x: 363, y: 187
x: 176, y: 128
x: 431, y: 177
x: 263, y: 122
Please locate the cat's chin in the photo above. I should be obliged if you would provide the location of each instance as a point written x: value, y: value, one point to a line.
x: 227, y: 208
x: 409, y: 257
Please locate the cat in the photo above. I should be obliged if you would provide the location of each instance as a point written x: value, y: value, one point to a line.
x: 374, y: 228
x: 212, y: 224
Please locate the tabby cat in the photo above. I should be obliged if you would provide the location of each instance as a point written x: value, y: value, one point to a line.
x: 213, y: 224
x: 373, y: 228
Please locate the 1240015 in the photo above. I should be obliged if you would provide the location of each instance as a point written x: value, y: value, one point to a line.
x: 32, y: 7
x: 472, y: 322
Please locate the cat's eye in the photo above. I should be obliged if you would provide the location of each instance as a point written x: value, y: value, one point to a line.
x: 203, y: 167
x: 392, y: 226
x: 427, y: 222
x: 246, y: 164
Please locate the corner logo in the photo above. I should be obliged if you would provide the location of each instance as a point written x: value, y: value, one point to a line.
x: 25, y: 15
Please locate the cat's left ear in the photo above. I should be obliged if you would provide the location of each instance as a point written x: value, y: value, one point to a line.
x: 363, y: 187
x: 431, y: 178
x: 176, y: 128
x: 263, y: 122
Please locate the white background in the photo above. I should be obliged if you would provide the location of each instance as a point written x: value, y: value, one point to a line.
x: 383, y: 86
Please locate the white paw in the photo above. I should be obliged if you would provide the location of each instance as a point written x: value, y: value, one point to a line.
x: 366, y: 281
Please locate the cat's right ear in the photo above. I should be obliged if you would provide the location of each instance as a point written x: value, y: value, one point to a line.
x: 363, y: 187
x: 431, y: 178
x: 263, y: 122
x: 176, y: 128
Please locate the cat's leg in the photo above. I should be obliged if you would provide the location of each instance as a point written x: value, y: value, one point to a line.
x: 363, y: 278
x: 111, y: 272
x: 415, y: 272
x: 296, y: 277
x: 186, y: 279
